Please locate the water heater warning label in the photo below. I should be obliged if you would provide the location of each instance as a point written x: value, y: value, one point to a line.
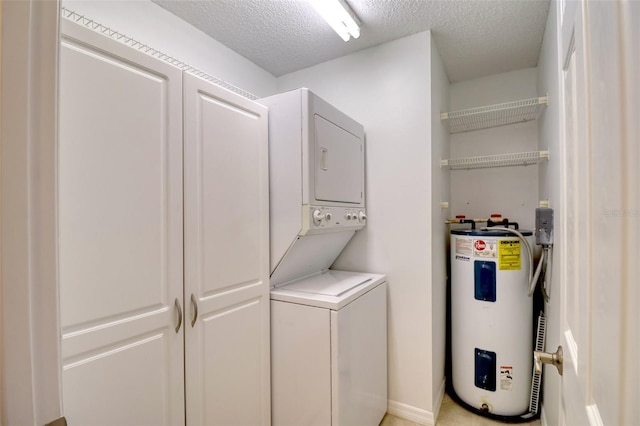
x: 506, y: 377
x: 509, y: 255
x: 485, y: 248
x: 463, y: 246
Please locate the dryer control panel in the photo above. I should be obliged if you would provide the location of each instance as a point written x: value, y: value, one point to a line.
x: 316, y: 219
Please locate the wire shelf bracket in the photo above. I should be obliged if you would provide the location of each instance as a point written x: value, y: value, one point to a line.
x: 500, y: 160
x: 494, y: 115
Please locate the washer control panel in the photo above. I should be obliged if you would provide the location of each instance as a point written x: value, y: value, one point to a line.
x: 316, y: 219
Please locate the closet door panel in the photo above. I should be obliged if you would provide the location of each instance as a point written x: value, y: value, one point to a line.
x: 120, y: 233
x: 226, y: 257
x: 230, y: 189
x: 233, y: 376
x: 121, y: 383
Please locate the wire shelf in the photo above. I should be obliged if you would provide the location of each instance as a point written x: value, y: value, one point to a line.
x: 501, y: 160
x: 80, y: 19
x: 493, y: 115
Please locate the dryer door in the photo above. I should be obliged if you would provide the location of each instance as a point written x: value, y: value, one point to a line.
x: 339, y: 164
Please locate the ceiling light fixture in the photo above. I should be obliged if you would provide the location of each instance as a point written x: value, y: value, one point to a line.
x: 339, y: 15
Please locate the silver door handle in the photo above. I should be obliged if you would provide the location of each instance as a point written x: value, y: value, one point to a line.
x: 555, y: 358
x: 179, y: 309
x: 194, y: 302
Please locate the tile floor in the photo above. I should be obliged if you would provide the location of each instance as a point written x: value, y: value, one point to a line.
x: 451, y: 414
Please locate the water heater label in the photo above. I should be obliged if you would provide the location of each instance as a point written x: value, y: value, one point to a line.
x: 463, y: 246
x: 506, y: 377
x: 485, y: 248
x: 509, y: 259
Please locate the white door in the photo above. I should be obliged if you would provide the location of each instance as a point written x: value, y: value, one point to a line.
x: 600, y: 257
x: 575, y: 259
x: 339, y: 163
x: 226, y: 257
x: 120, y: 233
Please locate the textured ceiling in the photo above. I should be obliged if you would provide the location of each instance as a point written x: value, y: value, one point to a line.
x: 475, y: 37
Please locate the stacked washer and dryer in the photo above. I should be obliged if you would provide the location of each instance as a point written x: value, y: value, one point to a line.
x: 328, y: 327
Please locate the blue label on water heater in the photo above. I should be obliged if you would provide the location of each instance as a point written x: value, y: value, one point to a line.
x: 485, y: 369
x: 485, y: 280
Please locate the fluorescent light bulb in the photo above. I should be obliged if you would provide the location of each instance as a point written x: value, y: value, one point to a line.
x: 339, y: 16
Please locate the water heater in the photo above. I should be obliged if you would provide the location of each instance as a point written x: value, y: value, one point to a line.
x: 491, y: 321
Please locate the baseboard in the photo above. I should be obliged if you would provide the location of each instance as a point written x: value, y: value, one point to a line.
x: 418, y: 415
x: 413, y: 414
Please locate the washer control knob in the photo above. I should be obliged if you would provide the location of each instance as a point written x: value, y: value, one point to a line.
x: 328, y: 216
x: 362, y: 216
x: 317, y: 217
x: 348, y: 216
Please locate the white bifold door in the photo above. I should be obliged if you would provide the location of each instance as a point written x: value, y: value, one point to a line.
x: 120, y: 233
x: 226, y: 257
x: 163, y: 246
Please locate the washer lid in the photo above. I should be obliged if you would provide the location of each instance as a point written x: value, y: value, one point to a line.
x: 330, y: 283
x: 329, y: 289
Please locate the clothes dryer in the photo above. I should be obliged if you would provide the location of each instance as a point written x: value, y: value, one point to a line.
x: 316, y: 183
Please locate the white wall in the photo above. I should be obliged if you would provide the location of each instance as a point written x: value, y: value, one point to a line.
x: 1, y: 316
x: 31, y: 356
x: 630, y: 16
x: 387, y: 88
x: 441, y: 191
x: 511, y: 191
x: 150, y: 24
x: 550, y: 186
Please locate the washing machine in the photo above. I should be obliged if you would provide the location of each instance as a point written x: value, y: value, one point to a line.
x: 328, y: 327
x: 329, y: 350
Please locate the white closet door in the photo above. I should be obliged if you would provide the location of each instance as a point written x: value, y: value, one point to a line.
x: 120, y: 233
x: 226, y: 257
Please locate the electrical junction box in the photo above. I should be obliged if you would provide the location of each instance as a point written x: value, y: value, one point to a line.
x: 544, y: 226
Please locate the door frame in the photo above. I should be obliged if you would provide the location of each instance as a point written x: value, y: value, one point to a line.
x: 31, y: 368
